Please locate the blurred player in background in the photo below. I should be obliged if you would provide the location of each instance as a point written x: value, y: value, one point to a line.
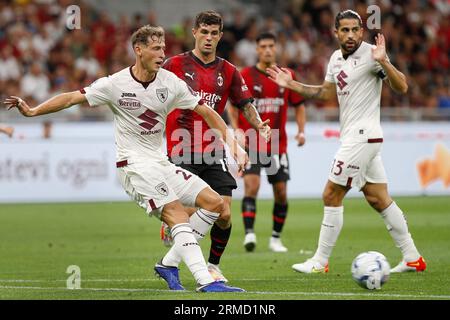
x: 9, y: 131
x: 140, y: 97
x: 214, y: 80
x: 271, y: 102
x: 355, y: 73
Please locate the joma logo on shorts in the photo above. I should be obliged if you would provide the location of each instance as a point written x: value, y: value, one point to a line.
x: 350, y: 166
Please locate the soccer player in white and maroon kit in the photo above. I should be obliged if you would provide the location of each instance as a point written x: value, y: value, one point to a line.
x: 355, y: 73
x: 141, y: 97
x: 272, y: 102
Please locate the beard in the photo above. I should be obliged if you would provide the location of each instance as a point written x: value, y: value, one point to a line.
x: 352, y: 48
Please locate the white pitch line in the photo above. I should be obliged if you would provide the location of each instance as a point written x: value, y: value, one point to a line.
x: 312, y: 293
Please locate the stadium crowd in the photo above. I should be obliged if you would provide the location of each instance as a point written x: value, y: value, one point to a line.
x: 40, y: 57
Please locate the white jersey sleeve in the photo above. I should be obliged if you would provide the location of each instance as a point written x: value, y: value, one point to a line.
x: 329, y: 76
x: 186, y: 98
x: 99, y: 92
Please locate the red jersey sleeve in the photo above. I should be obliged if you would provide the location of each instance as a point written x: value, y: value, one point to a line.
x: 239, y: 93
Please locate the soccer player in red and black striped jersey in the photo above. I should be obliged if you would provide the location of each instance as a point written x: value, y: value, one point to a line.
x: 189, y: 143
x: 272, y: 103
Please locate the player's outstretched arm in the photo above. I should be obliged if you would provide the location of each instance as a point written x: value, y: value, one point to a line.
x: 283, y: 78
x: 397, y: 80
x: 55, y: 104
x: 214, y: 121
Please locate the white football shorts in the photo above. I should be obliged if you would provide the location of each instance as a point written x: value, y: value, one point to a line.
x: 152, y: 185
x: 355, y: 164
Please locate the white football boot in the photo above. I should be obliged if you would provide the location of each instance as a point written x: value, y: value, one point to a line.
x: 276, y: 245
x: 250, y: 242
x: 216, y: 273
x: 418, y: 266
x: 310, y: 266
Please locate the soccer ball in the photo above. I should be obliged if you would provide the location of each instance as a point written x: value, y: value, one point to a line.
x: 370, y: 270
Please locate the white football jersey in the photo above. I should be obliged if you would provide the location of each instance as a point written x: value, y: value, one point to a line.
x: 140, y: 112
x: 358, y: 82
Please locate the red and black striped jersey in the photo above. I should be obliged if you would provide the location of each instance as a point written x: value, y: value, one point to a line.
x: 272, y: 102
x: 214, y: 83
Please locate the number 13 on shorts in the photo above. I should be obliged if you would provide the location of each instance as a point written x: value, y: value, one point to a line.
x: 336, y: 167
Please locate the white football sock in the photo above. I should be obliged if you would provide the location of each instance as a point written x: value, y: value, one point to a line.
x: 186, y: 246
x: 398, y: 228
x: 200, y: 222
x: 332, y: 222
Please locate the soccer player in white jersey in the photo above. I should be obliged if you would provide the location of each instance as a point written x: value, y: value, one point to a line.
x: 140, y: 97
x: 355, y: 73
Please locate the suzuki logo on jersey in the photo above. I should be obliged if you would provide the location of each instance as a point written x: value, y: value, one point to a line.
x: 150, y: 121
x: 257, y: 88
x: 128, y: 94
x: 162, y: 94
x: 341, y: 82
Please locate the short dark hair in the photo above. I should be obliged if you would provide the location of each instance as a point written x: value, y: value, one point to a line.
x: 347, y: 14
x: 142, y: 34
x: 266, y: 35
x: 209, y: 18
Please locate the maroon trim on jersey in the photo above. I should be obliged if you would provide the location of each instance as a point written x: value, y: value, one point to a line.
x: 205, y: 65
x: 349, y: 182
x: 375, y: 140
x: 83, y: 91
x: 145, y: 84
x: 121, y: 164
x: 152, y: 204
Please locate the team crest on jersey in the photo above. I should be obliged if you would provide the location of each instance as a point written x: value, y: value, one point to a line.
x: 162, y: 94
x: 162, y: 189
x: 220, y: 80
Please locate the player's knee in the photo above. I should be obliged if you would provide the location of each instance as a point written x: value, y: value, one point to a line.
x: 226, y: 214
x: 217, y: 205
x: 377, y: 202
x: 330, y: 198
x: 280, y: 195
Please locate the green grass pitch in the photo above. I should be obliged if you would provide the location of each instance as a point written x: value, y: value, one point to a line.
x: 116, y: 245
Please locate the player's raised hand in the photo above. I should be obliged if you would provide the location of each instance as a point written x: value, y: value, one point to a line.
x: 264, y: 130
x: 379, y: 52
x: 282, y: 76
x: 19, y: 103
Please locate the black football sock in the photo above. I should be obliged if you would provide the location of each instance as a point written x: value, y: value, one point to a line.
x: 249, y: 213
x: 279, y: 217
x: 219, y: 240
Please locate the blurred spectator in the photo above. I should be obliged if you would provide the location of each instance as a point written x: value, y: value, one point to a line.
x: 39, y: 56
x: 35, y: 83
